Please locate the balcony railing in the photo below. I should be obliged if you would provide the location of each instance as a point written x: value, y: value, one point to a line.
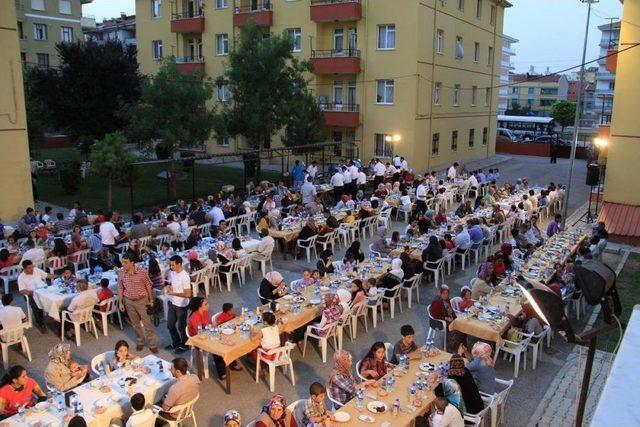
x: 339, y: 107
x: 258, y: 12
x: 187, y: 15
x: 253, y: 6
x: 335, y: 10
x: 187, y: 22
x: 340, y: 115
x: 189, y: 64
x: 332, y: 61
x: 335, y: 53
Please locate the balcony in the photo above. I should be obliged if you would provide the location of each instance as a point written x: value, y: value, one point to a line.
x: 258, y: 12
x: 88, y: 22
x: 340, y: 115
x: 188, y: 22
x: 331, y: 61
x: 335, y: 10
x: 189, y: 64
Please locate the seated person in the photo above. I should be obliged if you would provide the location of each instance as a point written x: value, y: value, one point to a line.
x: 300, y: 284
x: 68, y: 278
x: 86, y: 298
x: 184, y: 390
x: 104, y: 294
x: 10, y: 315
x: 406, y: 345
x: 62, y: 372
x: 374, y: 365
x: 276, y: 414
x: 445, y: 414
x: 17, y: 389
x: 340, y: 380
x: 315, y: 411
x: 142, y: 415
x: 272, y: 287
x: 466, y: 302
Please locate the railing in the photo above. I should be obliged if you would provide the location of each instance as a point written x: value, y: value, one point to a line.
x: 189, y: 59
x: 335, y: 53
x: 314, y: 2
x: 332, y: 106
x: 256, y: 6
x: 187, y: 15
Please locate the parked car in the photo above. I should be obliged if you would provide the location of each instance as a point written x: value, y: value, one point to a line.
x: 546, y: 139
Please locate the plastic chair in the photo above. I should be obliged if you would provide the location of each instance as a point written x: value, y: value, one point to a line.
x: 329, y: 240
x: 262, y: 260
x: 455, y: 304
x: 282, y: 357
x: 101, y: 359
x: 413, y: 284
x: 233, y: 269
x: 463, y: 256
x: 204, y: 354
x: 309, y: 245
x: 244, y: 263
x: 358, y: 310
x: 536, y: 344
x: 297, y: 410
x: 477, y: 419
x: 181, y: 413
x: 515, y: 349
x: 334, y: 403
x: 374, y: 306
x: 345, y: 320
x: 405, y: 211
x: 344, y: 232
x: 77, y: 318
x: 432, y: 332
x: 323, y: 339
x: 499, y: 402
x: 110, y: 307
x: 374, y: 253
x: 395, y: 295
x: 56, y: 263
x: 243, y: 222
x: 205, y: 229
x: 476, y: 249
x: 358, y: 371
x: 9, y: 274
x: 13, y: 336
x: 80, y: 258
x: 437, y: 268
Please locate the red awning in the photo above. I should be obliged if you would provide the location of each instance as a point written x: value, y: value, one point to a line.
x: 621, y: 220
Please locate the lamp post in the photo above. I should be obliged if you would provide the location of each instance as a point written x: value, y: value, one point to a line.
x: 602, y: 144
x: 576, y: 120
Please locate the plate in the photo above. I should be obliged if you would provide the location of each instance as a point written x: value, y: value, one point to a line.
x: 427, y: 367
x: 299, y: 299
x: 377, y: 407
x: 228, y: 331
x: 367, y: 418
x: 485, y: 316
x: 344, y: 278
x: 342, y: 417
x: 251, y: 321
x: 288, y: 297
x: 149, y: 382
x: 315, y: 300
x: 41, y: 406
x: 324, y: 288
x: 115, y: 397
x: 102, y: 402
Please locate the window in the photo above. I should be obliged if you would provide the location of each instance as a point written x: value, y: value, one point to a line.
x: 222, y: 4
x: 66, y: 34
x: 485, y: 135
x: 476, y: 52
x: 515, y: 91
x: 222, y: 44
x: 223, y: 92
x: 474, y: 92
x: 23, y: 57
x: 554, y: 90
x: 547, y: 102
x: 156, y: 8
x: 472, y: 136
x: 222, y: 141
x: 531, y: 92
x: 461, y: 5
x: 436, y: 93
x: 39, y: 31
x: 479, y: 9
x: 459, y: 48
x: 435, y: 144
x: 157, y: 49
x: 338, y: 92
x: 37, y: 4
x: 43, y: 60
x: 351, y: 96
x: 387, y: 36
x: 21, y: 31
x: 384, y: 92
x: 492, y: 15
x: 456, y: 95
x: 383, y: 145
x: 487, y: 96
x: 454, y: 140
x: 295, y: 34
x: 490, y: 56
x: 439, y: 41
x: 338, y: 40
x: 64, y: 6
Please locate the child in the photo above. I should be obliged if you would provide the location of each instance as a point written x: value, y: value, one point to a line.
x: 349, y: 219
x: 371, y: 289
x: 104, y: 294
x: 314, y: 411
x: 270, y: 334
x: 68, y: 278
x: 165, y: 250
x: 445, y: 414
x: 405, y: 345
x: 226, y: 315
x: 315, y: 276
x: 140, y: 415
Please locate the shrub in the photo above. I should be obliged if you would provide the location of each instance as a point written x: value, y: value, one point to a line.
x: 70, y: 176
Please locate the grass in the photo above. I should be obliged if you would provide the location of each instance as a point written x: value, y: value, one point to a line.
x: 629, y: 290
x: 148, y: 190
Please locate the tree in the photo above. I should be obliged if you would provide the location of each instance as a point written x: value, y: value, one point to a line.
x: 305, y: 123
x: 172, y: 110
x: 38, y: 117
x: 564, y: 113
x: 110, y: 158
x: 265, y: 83
x: 86, y: 93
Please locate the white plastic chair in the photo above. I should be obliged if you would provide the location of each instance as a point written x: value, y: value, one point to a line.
x: 110, y: 307
x: 329, y: 240
x: 101, y: 359
x: 344, y: 232
x: 243, y: 222
x: 455, y: 304
x: 309, y: 245
x: 80, y: 258
x: 477, y: 419
x: 262, y: 260
x: 359, y: 310
x: 180, y: 413
x: 282, y: 357
x: 56, y: 263
x: 13, y: 336
x: 204, y: 354
x: 233, y: 270
x: 515, y: 349
x: 374, y: 253
x: 9, y: 274
x: 405, y: 211
x: 344, y: 321
x: 374, y: 306
x: 395, y: 295
x: 358, y: 371
x: 334, y: 403
x: 83, y: 316
x: 412, y: 285
x: 433, y: 332
x: 463, y: 256
x: 536, y: 344
x: 244, y: 263
x: 499, y: 402
x: 476, y: 249
x: 437, y: 268
x: 323, y: 339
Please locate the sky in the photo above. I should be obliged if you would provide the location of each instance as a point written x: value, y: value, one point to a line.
x: 550, y: 32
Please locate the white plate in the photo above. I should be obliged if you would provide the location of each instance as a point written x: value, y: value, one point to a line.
x: 251, y: 321
x: 342, y: 417
x: 104, y: 402
x: 485, y: 316
x: 228, y: 331
x: 41, y: 406
x: 315, y: 300
x: 149, y: 382
x: 324, y: 288
x: 288, y: 297
x: 299, y: 299
x: 427, y: 367
x: 371, y: 406
x: 367, y: 418
x: 344, y: 278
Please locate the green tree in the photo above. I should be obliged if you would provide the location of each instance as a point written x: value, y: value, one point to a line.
x: 265, y: 82
x: 172, y: 110
x: 564, y: 113
x: 38, y: 117
x: 110, y: 158
x: 305, y: 123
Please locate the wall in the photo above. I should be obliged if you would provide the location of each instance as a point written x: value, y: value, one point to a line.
x: 523, y: 149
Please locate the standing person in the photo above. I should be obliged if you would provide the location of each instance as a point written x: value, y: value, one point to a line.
x: 312, y: 169
x: 361, y: 181
x: 109, y: 235
x: 337, y: 181
x: 421, y: 197
x: 29, y: 280
x: 378, y: 171
x: 452, y: 172
x: 553, y: 150
x: 135, y: 294
x: 308, y: 191
x: 349, y: 185
x: 178, y: 291
x: 298, y: 174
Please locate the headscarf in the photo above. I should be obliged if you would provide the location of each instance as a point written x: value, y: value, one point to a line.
x: 506, y: 249
x: 443, y: 287
x: 360, y: 195
x: 330, y: 301
x: 456, y: 366
x: 274, y: 278
x: 482, y: 350
x: 396, y: 268
x: 344, y: 296
x: 342, y: 365
x: 453, y: 394
x: 276, y: 400
x: 192, y: 255
x: 60, y: 353
x: 231, y: 415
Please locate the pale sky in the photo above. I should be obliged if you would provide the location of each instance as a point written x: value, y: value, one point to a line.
x: 551, y: 32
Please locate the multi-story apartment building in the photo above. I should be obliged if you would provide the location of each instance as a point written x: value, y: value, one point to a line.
x: 505, y: 71
x: 43, y: 23
x: 589, y: 116
x: 606, y: 80
x: 414, y: 77
x: 538, y: 92
x: 122, y: 28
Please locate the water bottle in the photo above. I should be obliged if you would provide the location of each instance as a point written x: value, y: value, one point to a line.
x: 413, y: 392
x: 80, y: 410
x: 74, y: 401
x: 60, y: 404
x: 160, y: 366
x: 396, y: 407
x: 21, y: 412
x: 199, y: 329
x: 359, y: 399
x: 121, y: 383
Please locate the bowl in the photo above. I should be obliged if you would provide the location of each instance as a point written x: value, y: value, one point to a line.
x: 228, y: 331
x: 342, y: 417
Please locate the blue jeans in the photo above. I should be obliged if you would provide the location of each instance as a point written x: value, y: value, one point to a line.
x: 177, y: 322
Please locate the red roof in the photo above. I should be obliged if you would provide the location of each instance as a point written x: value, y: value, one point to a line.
x: 572, y: 91
x: 622, y: 221
x: 553, y: 78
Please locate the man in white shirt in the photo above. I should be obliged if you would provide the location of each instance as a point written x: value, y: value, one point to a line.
x: 215, y: 215
x: 404, y: 165
x: 378, y: 172
x: 312, y: 169
x: 174, y: 226
x: 354, y: 171
x: 482, y: 178
x: 463, y: 239
x: 10, y: 315
x: 361, y: 180
x: 397, y: 162
x: 337, y: 180
x: 86, y: 298
x: 451, y: 173
x: 178, y: 292
x: 349, y: 185
x: 74, y: 211
x: 141, y: 416
x: 421, y: 196
x: 308, y: 191
x: 391, y: 169
x: 33, y: 254
x: 473, y: 181
x: 108, y: 232
x: 29, y: 280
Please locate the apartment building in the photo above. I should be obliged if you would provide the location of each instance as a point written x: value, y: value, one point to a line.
x: 606, y: 80
x: 505, y: 70
x: 122, y: 28
x: 538, y: 92
x: 43, y: 23
x: 589, y: 116
x: 415, y: 77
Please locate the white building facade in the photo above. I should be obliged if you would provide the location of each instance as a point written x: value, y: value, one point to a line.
x: 505, y: 69
x: 606, y: 80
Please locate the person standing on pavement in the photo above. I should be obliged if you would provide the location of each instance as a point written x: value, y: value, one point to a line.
x: 553, y: 150
x: 298, y: 174
x: 135, y: 294
x: 178, y: 292
x: 337, y: 181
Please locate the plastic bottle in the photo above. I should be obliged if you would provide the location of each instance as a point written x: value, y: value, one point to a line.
x: 359, y: 399
x: 121, y: 383
x: 21, y: 412
x: 396, y: 407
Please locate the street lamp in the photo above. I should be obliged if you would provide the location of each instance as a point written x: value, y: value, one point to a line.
x: 576, y: 120
x: 396, y: 138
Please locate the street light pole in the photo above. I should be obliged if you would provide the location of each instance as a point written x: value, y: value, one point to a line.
x: 576, y: 121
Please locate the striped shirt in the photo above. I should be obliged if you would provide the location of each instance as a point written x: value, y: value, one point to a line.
x: 134, y: 284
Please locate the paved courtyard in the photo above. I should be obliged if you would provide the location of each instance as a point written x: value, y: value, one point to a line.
x: 248, y: 397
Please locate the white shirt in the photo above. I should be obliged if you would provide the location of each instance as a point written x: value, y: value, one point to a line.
x: 337, y: 180
x: 308, y: 191
x: 463, y: 240
x: 347, y: 176
x: 31, y: 282
x: 72, y: 214
x: 174, y: 227
x: 391, y: 169
x: 405, y: 165
x: 45, y: 218
x: 11, y: 316
x: 354, y: 172
x: 270, y: 337
x: 266, y: 245
x: 35, y: 255
x: 406, y: 200
x: 216, y: 215
x: 451, y: 173
x: 142, y: 418
x: 397, y: 162
x: 179, y: 283
x: 84, y: 299
x: 312, y: 170
x: 362, y: 178
x: 449, y: 418
x: 108, y: 233
x: 379, y: 169
x: 473, y: 181
x: 421, y: 192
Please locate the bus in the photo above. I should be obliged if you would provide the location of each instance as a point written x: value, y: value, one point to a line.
x: 527, y: 126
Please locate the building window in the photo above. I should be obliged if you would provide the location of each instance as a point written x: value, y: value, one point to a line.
x: 156, y: 8
x: 492, y: 15
x: 222, y: 44
x: 472, y: 136
x: 37, y: 4
x: 515, y: 92
x: 21, y: 31
x: 157, y: 49
x: 222, y: 141
x: 383, y: 145
x: 454, y: 140
x: 338, y: 92
x: 485, y: 135
x: 476, y: 52
x: 42, y: 60
x: 64, y: 6
x: 23, y: 57
x: 66, y: 34
x: 295, y: 34
x: 474, y: 93
x: 459, y: 48
x: 461, y: 5
x: 436, y: 93
x: 531, y: 92
x: 439, y: 41
x: 384, y: 92
x: 479, y: 9
x: 39, y: 31
x: 387, y: 36
x: 222, y: 4
x: 456, y: 95
x: 338, y: 40
x: 490, y: 56
x: 487, y: 96
x: 223, y: 92
x: 612, y: 86
x: 435, y: 144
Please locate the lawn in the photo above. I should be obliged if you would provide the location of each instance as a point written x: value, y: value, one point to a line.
x: 629, y: 290
x: 148, y: 191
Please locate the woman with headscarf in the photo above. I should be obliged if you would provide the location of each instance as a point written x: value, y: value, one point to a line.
x: 450, y: 390
x: 507, y: 251
x: 325, y: 263
x: 353, y: 254
x: 62, y: 372
x: 231, y: 418
x: 341, y: 384
x: 393, y: 277
x: 271, y: 287
x: 470, y: 394
x: 441, y: 309
x: 481, y: 366
x: 407, y: 266
x: 276, y: 414
x: 345, y: 299
x: 380, y: 243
